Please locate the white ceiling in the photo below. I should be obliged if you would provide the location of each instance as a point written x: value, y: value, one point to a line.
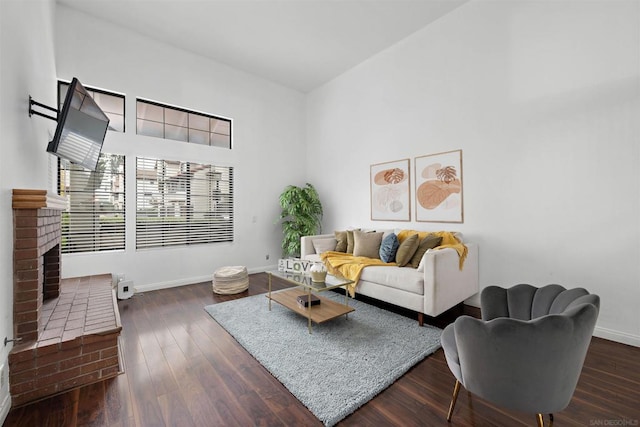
x: 300, y: 44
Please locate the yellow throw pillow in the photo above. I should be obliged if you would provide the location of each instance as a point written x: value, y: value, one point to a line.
x: 429, y: 242
x: 367, y: 244
x: 406, y: 250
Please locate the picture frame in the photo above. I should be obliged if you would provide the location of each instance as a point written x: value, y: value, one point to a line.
x: 390, y: 191
x: 438, y: 187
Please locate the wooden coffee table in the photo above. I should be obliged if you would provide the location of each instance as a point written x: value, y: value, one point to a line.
x: 326, y: 310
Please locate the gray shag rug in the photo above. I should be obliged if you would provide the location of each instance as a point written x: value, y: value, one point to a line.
x: 340, y: 366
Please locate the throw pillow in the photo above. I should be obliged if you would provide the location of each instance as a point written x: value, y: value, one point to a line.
x: 350, y: 241
x: 341, y: 238
x: 366, y: 244
x: 429, y: 242
x: 389, y: 247
x: 325, y: 244
x: 406, y: 250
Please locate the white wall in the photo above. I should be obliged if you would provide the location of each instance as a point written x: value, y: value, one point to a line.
x: 544, y: 99
x: 268, y: 144
x: 28, y: 68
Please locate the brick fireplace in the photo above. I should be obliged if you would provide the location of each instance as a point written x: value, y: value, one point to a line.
x: 67, y: 330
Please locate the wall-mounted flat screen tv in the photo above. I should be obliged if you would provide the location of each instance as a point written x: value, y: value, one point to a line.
x: 81, y: 129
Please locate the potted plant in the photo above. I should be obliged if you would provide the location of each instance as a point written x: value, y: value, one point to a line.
x: 301, y: 215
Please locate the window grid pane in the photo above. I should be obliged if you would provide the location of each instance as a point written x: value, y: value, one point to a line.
x: 182, y: 125
x: 182, y: 203
x: 95, y: 218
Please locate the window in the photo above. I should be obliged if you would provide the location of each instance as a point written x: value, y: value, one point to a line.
x: 182, y: 203
x: 164, y: 121
x: 94, y: 220
x: 111, y: 103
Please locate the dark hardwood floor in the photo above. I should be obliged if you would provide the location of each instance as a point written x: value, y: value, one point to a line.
x: 182, y: 369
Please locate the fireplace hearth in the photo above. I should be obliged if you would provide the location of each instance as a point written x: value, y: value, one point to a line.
x: 66, y: 330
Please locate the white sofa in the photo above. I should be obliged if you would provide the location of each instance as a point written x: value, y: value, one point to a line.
x: 440, y: 286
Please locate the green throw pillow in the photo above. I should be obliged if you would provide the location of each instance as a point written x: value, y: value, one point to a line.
x: 350, y: 241
x: 406, y: 250
x: 429, y: 242
x: 341, y: 237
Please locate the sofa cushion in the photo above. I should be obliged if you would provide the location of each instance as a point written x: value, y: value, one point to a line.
x: 389, y: 247
x: 406, y: 250
x: 405, y: 278
x: 324, y: 244
x: 429, y: 242
x: 367, y: 244
x: 341, y: 241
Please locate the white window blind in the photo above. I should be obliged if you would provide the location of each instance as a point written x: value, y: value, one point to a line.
x: 95, y: 218
x: 182, y: 203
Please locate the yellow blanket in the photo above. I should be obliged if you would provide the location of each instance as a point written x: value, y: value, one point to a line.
x: 448, y: 241
x: 348, y: 266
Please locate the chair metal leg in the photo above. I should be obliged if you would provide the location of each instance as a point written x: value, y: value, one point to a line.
x: 456, y: 390
x: 540, y: 419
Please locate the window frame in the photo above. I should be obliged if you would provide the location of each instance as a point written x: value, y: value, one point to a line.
x: 102, y: 92
x: 170, y: 199
x: 97, y: 221
x: 187, y: 127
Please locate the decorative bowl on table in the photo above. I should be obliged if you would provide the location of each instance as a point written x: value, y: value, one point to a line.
x: 318, y: 272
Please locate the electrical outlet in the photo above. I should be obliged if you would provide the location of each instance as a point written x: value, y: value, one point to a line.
x: 266, y: 257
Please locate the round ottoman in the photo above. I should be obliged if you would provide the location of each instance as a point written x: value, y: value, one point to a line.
x: 230, y: 280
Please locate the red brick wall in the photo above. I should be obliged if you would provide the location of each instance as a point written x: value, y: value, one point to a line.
x: 36, y: 231
x: 39, y: 371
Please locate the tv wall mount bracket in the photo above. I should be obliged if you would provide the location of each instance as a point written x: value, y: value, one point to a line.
x: 38, y: 113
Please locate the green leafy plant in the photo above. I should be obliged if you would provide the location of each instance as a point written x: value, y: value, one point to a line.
x: 301, y: 215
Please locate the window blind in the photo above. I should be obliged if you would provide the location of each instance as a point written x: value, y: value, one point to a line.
x: 95, y: 218
x: 182, y: 203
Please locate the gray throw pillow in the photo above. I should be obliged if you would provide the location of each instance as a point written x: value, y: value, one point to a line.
x: 325, y: 244
x: 367, y: 244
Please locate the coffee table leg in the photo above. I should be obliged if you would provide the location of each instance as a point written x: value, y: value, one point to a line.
x: 309, y: 309
x: 269, y: 291
x: 346, y: 300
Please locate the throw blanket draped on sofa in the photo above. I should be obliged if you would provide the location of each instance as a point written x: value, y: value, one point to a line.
x: 350, y: 267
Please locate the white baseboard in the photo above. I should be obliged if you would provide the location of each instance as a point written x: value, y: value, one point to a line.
x: 5, y: 396
x: 191, y: 280
x: 617, y: 336
x: 5, y: 406
x: 609, y: 334
x: 262, y: 269
x: 171, y: 284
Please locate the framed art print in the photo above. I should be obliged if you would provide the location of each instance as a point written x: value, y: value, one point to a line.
x: 439, y: 187
x: 390, y: 194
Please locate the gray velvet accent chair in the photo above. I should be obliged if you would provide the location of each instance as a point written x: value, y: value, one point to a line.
x: 527, y: 351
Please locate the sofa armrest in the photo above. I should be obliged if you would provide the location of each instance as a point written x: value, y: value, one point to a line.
x: 445, y: 285
x: 306, y: 244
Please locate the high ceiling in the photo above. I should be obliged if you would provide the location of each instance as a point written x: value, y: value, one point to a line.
x: 300, y: 44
